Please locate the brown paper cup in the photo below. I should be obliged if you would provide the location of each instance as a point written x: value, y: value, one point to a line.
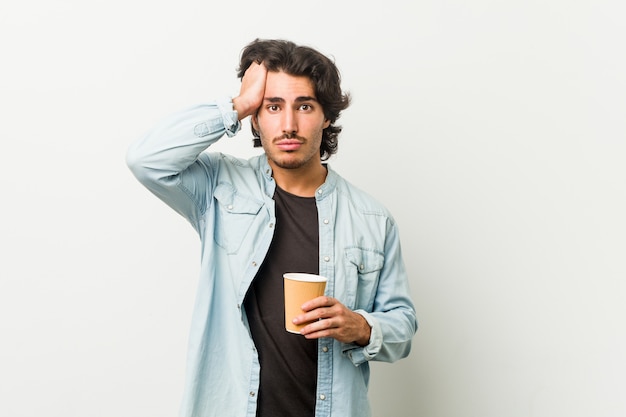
x: 300, y: 288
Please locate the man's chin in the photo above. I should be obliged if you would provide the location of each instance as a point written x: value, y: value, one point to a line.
x: 289, y: 163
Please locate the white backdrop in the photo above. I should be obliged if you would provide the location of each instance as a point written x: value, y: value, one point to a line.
x: 494, y: 131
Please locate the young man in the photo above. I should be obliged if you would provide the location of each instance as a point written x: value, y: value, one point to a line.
x: 283, y: 211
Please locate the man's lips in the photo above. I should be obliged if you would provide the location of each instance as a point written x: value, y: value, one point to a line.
x: 288, y: 144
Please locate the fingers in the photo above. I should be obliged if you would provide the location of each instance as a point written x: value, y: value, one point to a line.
x: 319, y: 308
x: 329, y: 318
x: 318, y: 302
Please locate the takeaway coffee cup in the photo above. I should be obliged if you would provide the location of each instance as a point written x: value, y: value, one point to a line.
x: 300, y: 288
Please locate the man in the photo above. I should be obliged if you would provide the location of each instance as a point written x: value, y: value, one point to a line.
x: 283, y: 211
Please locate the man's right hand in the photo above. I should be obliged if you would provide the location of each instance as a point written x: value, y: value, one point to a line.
x: 252, y: 91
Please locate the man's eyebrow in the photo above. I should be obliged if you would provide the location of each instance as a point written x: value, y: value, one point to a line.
x: 282, y: 100
x: 305, y: 98
x: 274, y: 99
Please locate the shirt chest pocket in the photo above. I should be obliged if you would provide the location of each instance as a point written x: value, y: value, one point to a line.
x: 235, y: 215
x: 362, y: 273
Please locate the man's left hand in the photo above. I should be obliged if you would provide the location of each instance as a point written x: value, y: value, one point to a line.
x: 333, y: 319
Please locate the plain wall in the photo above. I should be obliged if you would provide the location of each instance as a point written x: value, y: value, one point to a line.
x: 494, y: 131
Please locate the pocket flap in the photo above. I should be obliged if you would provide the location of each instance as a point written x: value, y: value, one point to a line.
x: 232, y: 202
x: 365, y: 260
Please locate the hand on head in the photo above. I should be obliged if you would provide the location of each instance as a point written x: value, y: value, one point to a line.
x: 252, y: 91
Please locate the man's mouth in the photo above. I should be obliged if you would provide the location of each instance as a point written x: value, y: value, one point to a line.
x: 288, y: 144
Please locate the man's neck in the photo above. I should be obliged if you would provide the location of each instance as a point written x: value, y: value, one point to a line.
x: 302, y: 182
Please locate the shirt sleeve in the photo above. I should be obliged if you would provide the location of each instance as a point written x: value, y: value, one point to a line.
x: 167, y: 159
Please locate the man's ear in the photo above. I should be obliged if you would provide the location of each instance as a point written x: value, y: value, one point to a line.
x: 326, y: 123
x: 254, y: 121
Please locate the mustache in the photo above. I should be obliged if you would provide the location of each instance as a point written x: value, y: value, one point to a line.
x: 289, y: 135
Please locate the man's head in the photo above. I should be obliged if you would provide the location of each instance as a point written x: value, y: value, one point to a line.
x: 292, y: 59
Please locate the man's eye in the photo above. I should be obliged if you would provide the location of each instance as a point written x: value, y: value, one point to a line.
x: 273, y: 107
x: 305, y: 107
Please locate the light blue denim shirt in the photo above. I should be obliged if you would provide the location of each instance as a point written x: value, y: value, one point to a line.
x: 229, y: 203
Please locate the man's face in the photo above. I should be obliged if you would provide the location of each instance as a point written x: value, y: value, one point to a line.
x: 290, y: 122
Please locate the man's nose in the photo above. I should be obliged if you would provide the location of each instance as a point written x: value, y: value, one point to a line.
x: 290, y: 122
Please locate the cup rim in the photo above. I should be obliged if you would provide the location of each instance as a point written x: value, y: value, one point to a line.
x: 304, y: 277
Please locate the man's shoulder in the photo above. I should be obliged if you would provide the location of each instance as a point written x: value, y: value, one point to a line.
x: 360, y: 199
x: 228, y: 161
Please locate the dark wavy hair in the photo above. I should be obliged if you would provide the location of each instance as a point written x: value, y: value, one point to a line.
x: 286, y: 56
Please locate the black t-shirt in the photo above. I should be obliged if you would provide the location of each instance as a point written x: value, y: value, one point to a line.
x: 288, y: 361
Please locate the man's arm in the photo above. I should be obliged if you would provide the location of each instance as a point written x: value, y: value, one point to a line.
x: 383, y: 334
x: 166, y: 159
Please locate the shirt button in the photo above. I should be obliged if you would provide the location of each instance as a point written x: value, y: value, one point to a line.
x: 230, y: 207
x: 252, y: 393
x: 326, y: 221
x: 361, y: 267
x: 326, y: 259
x: 253, y: 263
x: 322, y: 397
x: 271, y: 225
x: 320, y: 191
x: 325, y: 349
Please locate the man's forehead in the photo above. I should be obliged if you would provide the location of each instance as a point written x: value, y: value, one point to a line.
x: 288, y: 87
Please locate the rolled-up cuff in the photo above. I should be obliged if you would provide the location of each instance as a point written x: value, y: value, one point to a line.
x: 229, y: 115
